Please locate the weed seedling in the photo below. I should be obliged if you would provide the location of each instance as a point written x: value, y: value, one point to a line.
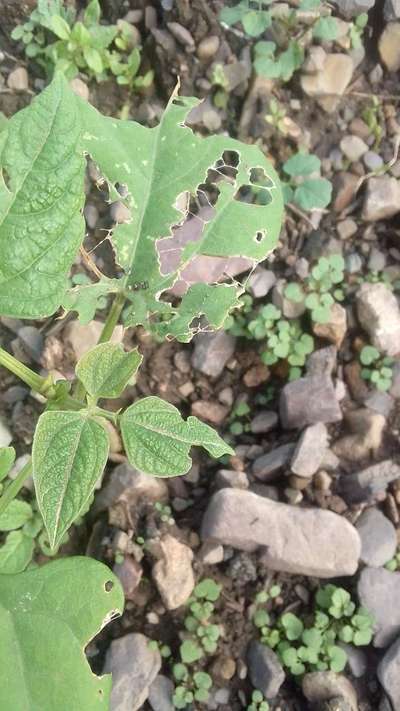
x: 377, y: 369
x: 321, y: 289
x: 258, y: 703
x: 304, y: 187
x: 394, y: 563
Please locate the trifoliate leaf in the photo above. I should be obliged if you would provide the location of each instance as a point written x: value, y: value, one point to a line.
x: 41, y: 222
x: 69, y: 454
x: 313, y: 194
x: 157, y: 439
x: 15, y: 554
x: 106, y: 369
x: 48, y: 616
x: 15, y: 515
x: 302, y: 164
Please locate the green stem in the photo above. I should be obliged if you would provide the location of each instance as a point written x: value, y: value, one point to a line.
x: 108, y: 329
x: 35, y: 381
x: 15, y: 486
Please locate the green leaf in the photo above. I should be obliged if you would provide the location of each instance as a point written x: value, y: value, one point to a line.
x: 157, y: 166
x: 157, y: 440
x: 202, y: 680
x: 313, y: 194
x: 69, y: 454
x: 326, y: 28
x: 290, y: 60
x: 368, y: 355
x: 312, y: 638
x: 92, y: 13
x: 15, y: 515
x: 15, y: 554
x: 363, y: 637
x: 48, y: 616
x: 208, y: 589
x: 190, y: 651
x: 231, y: 15
x: 293, y: 625
x: 255, y: 22
x: 60, y: 27
x: 7, y: 459
x: 93, y: 59
x: 302, y: 164
x: 106, y: 369
x: 294, y: 292
x: 338, y: 658
x: 41, y: 199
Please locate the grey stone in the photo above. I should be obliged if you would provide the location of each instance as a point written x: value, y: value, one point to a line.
x: 382, y: 198
x: 329, y: 83
x: 353, y: 147
x: 173, y: 572
x: 181, y: 34
x: 368, y: 483
x: 32, y: 342
x: 378, y: 538
x: 231, y: 478
x: 372, y: 161
x: 326, y: 685
x: 379, y: 592
x: 351, y: 8
x: 261, y: 282
x: 379, y: 315
x: 346, y: 228
x: 160, y: 694
x: 134, y: 666
x: 208, y: 47
x: 380, y: 402
x: 389, y: 674
x: 265, y: 670
x: 356, y: 658
x: 336, y: 704
x: 5, y: 435
x: 307, y: 401
x: 264, y: 422
x: 212, y: 352
x: 290, y: 309
x: 354, y: 263
x: 310, y: 450
x: 128, y: 485
x: 322, y: 361
x: 267, y: 466
x: 391, y: 10
x: 295, y: 540
x: 395, y: 387
x: 376, y: 260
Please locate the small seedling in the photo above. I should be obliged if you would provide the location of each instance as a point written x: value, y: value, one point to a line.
x: 377, y: 369
x: 276, y: 116
x: 356, y: 30
x: 254, y: 20
x: 165, y: 513
x: 312, y: 645
x: 320, y: 290
x: 239, y: 419
x: 258, y: 702
x: 305, y: 187
x: 164, y: 649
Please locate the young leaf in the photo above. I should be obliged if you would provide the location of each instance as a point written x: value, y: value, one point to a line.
x: 60, y: 27
x: 15, y: 554
x: 15, y: 515
x: 313, y: 194
x: 326, y: 28
x: 7, y: 459
x: 302, y: 164
x: 69, y: 454
x: 48, y: 616
x: 255, y: 22
x: 157, y: 440
x: 41, y: 222
x: 106, y: 369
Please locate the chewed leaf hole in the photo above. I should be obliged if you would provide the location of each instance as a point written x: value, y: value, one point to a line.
x: 253, y: 195
x: 258, y: 176
x: 260, y: 236
x: 108, y: 586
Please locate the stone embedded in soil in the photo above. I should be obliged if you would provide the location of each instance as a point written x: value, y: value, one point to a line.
x: 310, y: 450
x: 126, y: 485
x: 80, y: 88
x: 289, y: 308
x: 82, y: 337
x: 32, y: 342
x: 208, y: 47
x: 389, y: 46
x: 322, y: 361
x: 212, y: 352
x: 307, y: 401
x: 353, y: 147
x: 344, y: 190
x: 378, y: 538
x: 5, y: 435
x: 379, y: 592
x: 356, y: 659
x: 231, y: 478
x: 330, y: 83
x: 210, y: 411
x: 389, y: 674
x: 261, y: 282
x: 326, y: 685
x: 160, y: 694
x: 265, y: 670
x: 335, y: 329
x: 173, y: 573
x: 134, y: 666
x: 369, y: 483
x: 268, y: 465
x: 391, y: 10
x: 18, y: 79
x: 264, y: 422
x: 382, y: 403
x: 295, y: 540
x: 379, y: 314
x: 130, y: 573
x: 351, y: 8
x: 367, y: 427
x: 382, y: 197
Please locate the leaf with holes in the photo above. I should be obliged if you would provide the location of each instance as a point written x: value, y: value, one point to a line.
x: 69, y: 454
x: 106, y: 369
x: 167, y: 172
x: 41, y: 198
x: 157, y: 439
x: 48, y: 616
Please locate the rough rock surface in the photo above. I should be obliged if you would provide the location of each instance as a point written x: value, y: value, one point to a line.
x: 304, y: 541
x: 379, y: 315
x: 379, y: 591
x: 389, y: 46
x: 351, y: 8
x: 329, y: 83
x: 265, y: 670
x: 134, y: 667
x: 389, y: 674
x: 368, y: 483
x: 382, y: 197
x: 212, y: 351
x: 307, y: 401
x: 127, y: 485
x: 378, y: 538
x: 160, y: 694
x: 173, y: 573
x: 323, y: 686
x: 266, y: 467
x: 310, y: 450
x: 335, y: 329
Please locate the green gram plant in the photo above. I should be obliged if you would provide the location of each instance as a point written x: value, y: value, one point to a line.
x: 313, y: 644
x: 43, y: 151
x: 376, y: 368
x: 321, y: 289
x: 56, y: 40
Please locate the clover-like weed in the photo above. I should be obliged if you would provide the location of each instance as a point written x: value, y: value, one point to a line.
x: 377, y: 369
x: 312, y: 644
x: 321, y: 289
x: 258, y: 702
x: 304, y: 185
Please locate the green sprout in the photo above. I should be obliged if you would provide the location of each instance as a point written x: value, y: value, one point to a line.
x: 304, y: 186
x: 394, y: 563
x: 258, y: 703
x: 320, y: 290
x: 377, y: 369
